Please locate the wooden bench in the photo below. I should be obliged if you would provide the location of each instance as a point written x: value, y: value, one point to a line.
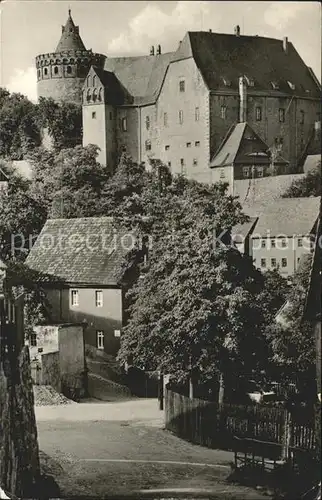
x: 254, y: 453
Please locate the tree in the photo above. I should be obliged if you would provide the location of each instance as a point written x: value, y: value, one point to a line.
x: 19, y: 130
x: 21, y: 218
x: 196, y: 302
x: 63, y: 120
x: 310, y: 185
x: 292, y: 343
x: 70, y: 182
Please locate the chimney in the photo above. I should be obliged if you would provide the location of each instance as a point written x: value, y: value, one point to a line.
x: 237, y: 30
x: 242, y: 100
x: 159, y: 50
x: 285, y: 44
x: 152, y: 51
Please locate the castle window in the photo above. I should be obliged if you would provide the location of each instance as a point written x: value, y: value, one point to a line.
x: 281, y: 115
x: 188, y: 144
x: 100, y: 94
x: 167, y: 147
x: 301, y: 117
x: 197, y: 144
x: 260, y: 172
x: 148, y: 145
x: 124, y: 124
x: 246, y: 172
x: 181, y: 117
x: 223, y: 112
x: 94, y: 80
x: 55, y: 70
x: 88, y: 97
x: 69, y: 70
x: 88, y: 82
x: 165, y: 119
x: 182, y: 86
x: 147, y: 122
x: 197, y: 114
x: 258, y: 114
x: 94, y: 115
x: 45, y: 71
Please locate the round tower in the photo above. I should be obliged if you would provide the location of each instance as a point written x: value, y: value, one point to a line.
x: 61, y: 74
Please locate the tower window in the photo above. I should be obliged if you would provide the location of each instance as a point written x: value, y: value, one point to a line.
x: 88, y: 95
x: 195, y: 162
x: 69, y: 70
x: 124, y: 124
x: 95, y: 95
x: 38, y: 73
x: 258, y: 114
x: 165, y: 119
x: 181, y: 117
x: 182, y: 86
x: 100, y: 94
x: 197, y: 144
x: 46, y: 71
x: 94, y: 80
x: 56, y: 70
x: 148, y: 145
x: 94, y: 115
x: 197, y: 114
x: 222, y: 173
x: 188, y: 144
x: 223, y: 112
x: 147, y: 122
x: 100, y: 339
x: 301, y: 117
x: 167, y: 147
x: 281, y: 114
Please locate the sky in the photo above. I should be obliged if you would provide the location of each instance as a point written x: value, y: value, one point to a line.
x: 29, y: 28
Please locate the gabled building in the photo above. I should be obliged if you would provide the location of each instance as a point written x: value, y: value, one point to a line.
x: 84, y: 257
x: 244, y: 155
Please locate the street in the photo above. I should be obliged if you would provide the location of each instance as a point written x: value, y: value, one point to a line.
x: 99, y: 449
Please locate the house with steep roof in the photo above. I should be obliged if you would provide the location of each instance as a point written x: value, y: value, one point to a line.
x: 243, y: 154
x: 84, y: 258
x: 179, y: 106
x: 284, y: 233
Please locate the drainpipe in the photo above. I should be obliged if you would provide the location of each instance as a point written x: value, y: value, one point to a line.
x: 242, y: 100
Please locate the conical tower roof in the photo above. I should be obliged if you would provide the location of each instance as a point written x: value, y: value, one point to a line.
x: 70, y: 39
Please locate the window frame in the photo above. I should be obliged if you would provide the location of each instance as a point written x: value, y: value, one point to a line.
x: 300, y: 245
x: 93, y: 115
x: 148, y: 145
x: 182, y: 85
x: 260, y: 171
x: 246, y: 169
x: 74, y: 292
x: 281, y: 115
x: 284, y: 262
x: 258, y: 113
x: 100, y: 338
x: 273, y: 264
x: 99, y: 303
x: 263, y: 262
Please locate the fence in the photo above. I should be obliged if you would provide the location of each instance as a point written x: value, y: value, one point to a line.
x: 201, y: 422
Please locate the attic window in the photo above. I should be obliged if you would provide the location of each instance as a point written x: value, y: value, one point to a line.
x: 291, y: 85
x: 275, y: 85
x: 250, y: 81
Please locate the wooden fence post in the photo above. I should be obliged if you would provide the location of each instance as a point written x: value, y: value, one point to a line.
x: 286, y: 435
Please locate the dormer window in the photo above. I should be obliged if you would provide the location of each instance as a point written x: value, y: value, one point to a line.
x: 250, y: 81
x: 226, y: 82
x: 291, y: 85
x: 275, y: 85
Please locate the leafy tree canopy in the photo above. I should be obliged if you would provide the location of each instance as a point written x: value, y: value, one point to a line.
x: 310, y: 185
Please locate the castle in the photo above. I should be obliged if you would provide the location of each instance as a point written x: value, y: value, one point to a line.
x: 183, y: 107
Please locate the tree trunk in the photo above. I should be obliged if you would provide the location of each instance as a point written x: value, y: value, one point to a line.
x: 317, y: 332
x: 161, y: 391
x: 191, y: 387
x: 221, y: 390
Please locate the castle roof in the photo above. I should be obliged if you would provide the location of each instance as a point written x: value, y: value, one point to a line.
x: 91, y: 251
x: 141, y: 76
x: 70, y: 38
x: 221, y: 59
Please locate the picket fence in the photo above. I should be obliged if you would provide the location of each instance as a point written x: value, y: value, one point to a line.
x: 201, y: 422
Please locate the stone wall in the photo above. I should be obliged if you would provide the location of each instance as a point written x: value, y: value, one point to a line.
x: 19, y: 453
